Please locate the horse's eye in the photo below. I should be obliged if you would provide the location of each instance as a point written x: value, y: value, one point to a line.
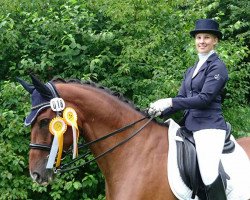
x: 44, y: 123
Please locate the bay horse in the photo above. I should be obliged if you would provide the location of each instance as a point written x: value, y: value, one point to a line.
x: 244, y: 142
x: 137, y: 169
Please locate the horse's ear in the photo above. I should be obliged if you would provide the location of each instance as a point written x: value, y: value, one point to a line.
x: 29, y: 87
x: 41, y: 87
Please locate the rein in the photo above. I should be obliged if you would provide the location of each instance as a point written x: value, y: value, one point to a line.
x: 61, y: 168
x: 112, y: 133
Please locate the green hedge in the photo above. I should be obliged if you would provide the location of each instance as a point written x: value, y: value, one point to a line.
x: 138, y: 48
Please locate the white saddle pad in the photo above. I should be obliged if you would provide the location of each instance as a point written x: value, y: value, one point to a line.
x: 236, y: 165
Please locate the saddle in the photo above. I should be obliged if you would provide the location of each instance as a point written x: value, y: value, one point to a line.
x: 188, y: 164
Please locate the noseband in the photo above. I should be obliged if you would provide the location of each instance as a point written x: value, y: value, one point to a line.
x: 43, y: 147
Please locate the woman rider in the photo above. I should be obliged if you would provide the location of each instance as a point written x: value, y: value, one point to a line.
x: 200, y: 97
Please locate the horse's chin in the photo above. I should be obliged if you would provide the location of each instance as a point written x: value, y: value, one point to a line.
x: 43, y: 178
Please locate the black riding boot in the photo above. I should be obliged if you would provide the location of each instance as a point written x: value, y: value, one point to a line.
x: 216, y: 191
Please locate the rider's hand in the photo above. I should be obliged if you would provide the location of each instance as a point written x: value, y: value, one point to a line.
x: 156, y: 108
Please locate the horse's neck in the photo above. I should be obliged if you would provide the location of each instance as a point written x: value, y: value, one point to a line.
x: 101, y: 113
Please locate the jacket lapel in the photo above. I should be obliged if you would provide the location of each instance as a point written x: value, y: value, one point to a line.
x: 205, y: 64
x: 189, y: 77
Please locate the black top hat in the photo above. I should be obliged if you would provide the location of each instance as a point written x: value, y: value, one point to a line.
x: 206, y: 26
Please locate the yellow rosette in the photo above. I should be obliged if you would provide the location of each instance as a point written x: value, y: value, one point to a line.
x: 70, y: 116
x: 58, y: 127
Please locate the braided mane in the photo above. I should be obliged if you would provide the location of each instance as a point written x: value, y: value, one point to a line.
x: 95, y: 85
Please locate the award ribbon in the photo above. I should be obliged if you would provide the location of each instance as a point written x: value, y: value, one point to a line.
x: 53, y: 153
x: 70, y: 117
x: 57, y: 127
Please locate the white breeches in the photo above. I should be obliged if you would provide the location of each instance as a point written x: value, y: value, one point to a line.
x: 209, y: 146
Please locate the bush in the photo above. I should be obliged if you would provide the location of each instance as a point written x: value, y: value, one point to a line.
x: 140, y: 49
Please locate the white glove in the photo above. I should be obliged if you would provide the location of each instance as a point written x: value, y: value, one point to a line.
x: 156, y: 108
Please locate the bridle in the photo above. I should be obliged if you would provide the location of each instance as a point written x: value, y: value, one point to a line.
x: 43, y: 147
x: 62, y: 168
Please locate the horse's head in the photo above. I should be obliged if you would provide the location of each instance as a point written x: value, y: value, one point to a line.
x: 40, y: 119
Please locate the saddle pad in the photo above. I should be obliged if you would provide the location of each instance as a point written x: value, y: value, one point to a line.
x: 178, y: 187
x: 236, y: 165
